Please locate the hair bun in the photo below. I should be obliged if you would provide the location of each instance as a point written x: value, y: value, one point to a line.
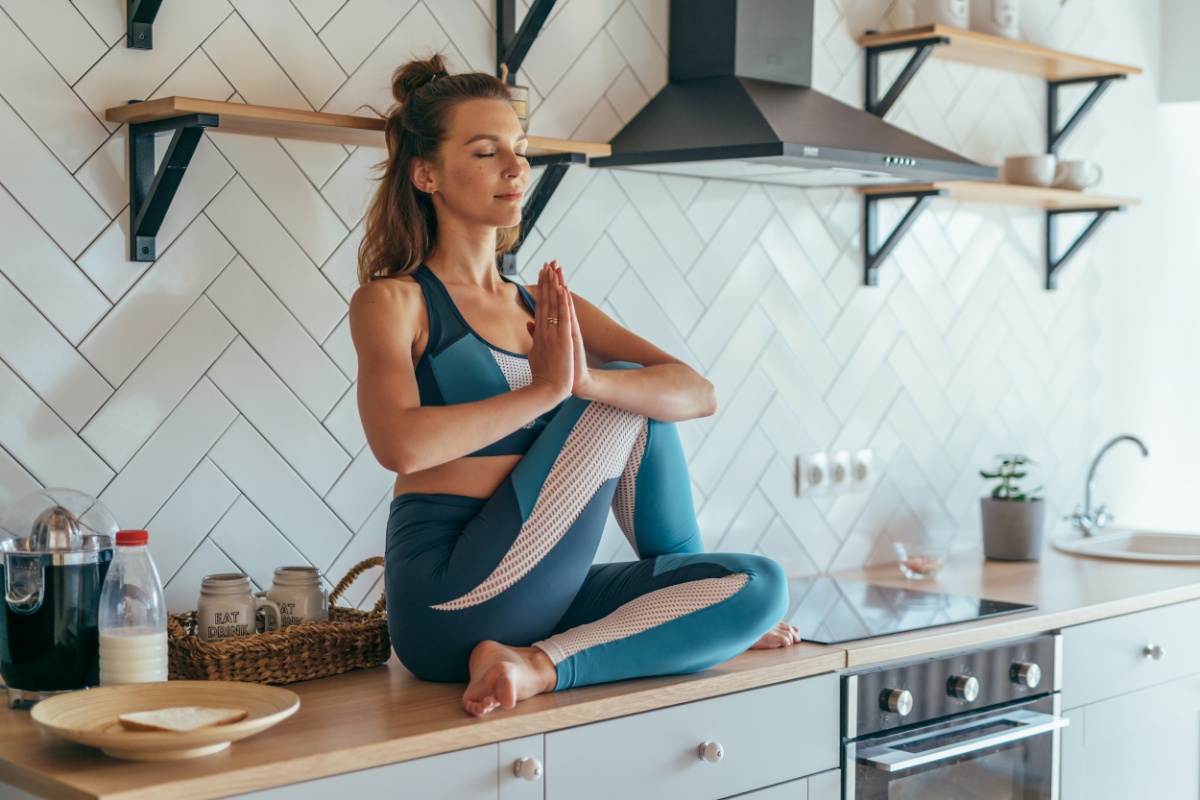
x: 410, y: 77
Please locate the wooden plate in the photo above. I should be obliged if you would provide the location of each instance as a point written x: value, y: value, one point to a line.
x: 90, y: 717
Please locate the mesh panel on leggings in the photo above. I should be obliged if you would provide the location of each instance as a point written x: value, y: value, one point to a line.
x: 648, y: 611
x: 595, y: 451
x: 516, y: 372
x: 622, y: 504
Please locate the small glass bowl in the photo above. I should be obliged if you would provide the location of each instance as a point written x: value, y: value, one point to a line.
x: 920, y: 560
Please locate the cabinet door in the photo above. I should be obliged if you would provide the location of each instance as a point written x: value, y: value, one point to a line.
x: 767, y: 736
x: 1107, y: 658
x: 1145, y: 744
x: 461, y: 775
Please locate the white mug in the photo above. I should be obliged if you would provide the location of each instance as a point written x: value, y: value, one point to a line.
x: 1037, y: 170
x: 227, y: 608
x: 996, y: 17
x: 942, y: 12
x: 299, y: 594
x: 1077, y: 175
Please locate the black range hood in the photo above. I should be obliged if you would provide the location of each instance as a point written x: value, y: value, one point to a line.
x: 739, y: 106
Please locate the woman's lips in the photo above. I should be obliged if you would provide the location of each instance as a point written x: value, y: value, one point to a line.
x: 511, y: 196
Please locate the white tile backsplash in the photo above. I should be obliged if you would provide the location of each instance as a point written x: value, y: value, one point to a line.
x: 218, y: 381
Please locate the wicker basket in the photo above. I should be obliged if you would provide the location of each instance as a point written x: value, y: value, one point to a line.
x: 350, y: 639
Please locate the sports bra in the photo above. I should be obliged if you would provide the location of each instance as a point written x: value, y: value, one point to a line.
x: 460, y: 366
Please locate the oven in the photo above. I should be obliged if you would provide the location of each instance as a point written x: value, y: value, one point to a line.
x: 983, y: 723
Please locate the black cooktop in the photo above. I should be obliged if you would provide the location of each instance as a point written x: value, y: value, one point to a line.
x: 831, y: 611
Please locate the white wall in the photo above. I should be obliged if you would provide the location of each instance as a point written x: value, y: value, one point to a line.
x: 210, y: 396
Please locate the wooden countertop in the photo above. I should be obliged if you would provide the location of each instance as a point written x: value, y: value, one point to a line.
x: 374, y: 717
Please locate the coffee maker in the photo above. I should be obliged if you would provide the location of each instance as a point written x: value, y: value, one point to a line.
x: 55, y: 548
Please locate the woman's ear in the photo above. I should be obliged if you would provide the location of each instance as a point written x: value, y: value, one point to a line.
x: 421, y: 176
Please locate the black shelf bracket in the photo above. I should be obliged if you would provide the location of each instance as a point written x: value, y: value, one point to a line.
x: 923, y: 49
x: 1054, y: 134
x: 139, y: 23
x: 151, y: 193
x: 556, y: 167
x: 874, y: 254
x: 511, y: 47
x: 1053, y: 265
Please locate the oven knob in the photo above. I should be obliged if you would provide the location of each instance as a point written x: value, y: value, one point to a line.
x: 964, y: 687
x: 1025, y: 674
x: 897, y: 701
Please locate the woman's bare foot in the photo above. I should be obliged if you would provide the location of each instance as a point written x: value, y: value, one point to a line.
x: 782, y: 635
x: 501, y: 675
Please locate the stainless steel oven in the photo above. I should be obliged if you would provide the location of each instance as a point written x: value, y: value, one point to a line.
x: 977, y: 724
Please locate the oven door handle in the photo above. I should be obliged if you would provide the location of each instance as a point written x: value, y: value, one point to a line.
x: 1026, y: 724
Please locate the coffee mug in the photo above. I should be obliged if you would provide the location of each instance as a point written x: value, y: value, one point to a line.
x: 1077, y: 175
x: 941, y: 12
x: 1038, y: 170
x: 996, y: 17
x: 299, y: 594
x: 227, y: 608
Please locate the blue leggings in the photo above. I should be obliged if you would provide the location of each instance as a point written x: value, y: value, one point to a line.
x: 517, y: 567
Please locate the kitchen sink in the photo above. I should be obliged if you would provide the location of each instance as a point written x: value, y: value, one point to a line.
x: 1134, y: 545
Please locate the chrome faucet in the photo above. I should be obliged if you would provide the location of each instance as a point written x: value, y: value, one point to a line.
x: 1089, y: 521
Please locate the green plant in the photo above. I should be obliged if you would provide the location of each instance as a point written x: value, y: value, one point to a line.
x: 1011, y: 469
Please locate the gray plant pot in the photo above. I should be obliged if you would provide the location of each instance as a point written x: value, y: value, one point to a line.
x: 1012, y: 529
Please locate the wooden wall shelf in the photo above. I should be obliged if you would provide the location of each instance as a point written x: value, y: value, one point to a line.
x: 151, y: 193
x: 290, y: 123
x: 1056, y: 67
x: 1009, y: 193
x: 997, y: 52
x: 1054, y: 202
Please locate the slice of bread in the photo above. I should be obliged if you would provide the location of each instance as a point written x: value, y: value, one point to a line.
x: 181, y: 719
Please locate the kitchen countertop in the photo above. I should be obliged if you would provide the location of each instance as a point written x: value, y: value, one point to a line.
x: 380, y: 716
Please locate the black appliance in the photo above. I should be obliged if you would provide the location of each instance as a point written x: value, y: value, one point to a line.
x: 739, y: 105
x: 52, y: 573
x: 981, y: 723
x: 831, y: 611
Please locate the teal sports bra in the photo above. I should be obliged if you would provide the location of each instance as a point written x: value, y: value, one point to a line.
x: 459, y: 366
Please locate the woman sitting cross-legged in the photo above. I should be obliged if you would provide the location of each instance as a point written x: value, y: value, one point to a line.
x: 515, y: 417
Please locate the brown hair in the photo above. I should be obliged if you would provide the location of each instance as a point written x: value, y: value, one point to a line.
x: 401, y: 224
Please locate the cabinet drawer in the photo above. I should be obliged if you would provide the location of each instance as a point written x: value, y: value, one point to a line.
x: 768, y: 736
x: 461, y: 775
x: 1107, y: 658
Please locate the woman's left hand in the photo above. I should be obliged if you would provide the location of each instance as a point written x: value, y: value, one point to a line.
x: 582, y: 383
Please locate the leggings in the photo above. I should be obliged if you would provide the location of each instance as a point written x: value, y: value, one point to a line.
x: 517, y: 567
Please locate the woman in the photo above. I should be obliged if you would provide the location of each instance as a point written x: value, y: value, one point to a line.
x: 510, y: 444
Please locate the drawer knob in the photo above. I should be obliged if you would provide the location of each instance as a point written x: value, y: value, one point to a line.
x: 1154, y: 652
x: 712, y: 752
x: 528, y: 768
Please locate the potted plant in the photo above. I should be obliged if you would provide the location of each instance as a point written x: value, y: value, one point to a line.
x: 1012, y: 517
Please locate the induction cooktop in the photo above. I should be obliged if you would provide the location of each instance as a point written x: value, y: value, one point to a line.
x: 831, y: 611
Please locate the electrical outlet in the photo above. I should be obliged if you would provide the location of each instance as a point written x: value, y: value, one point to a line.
x: 839, y: 471
x: 862, y: 470
x: 813, y: 475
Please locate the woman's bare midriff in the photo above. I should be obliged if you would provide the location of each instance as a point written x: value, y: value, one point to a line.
x: 471, y: 476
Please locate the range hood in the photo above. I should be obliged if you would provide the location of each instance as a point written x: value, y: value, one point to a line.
x: 739, y: 106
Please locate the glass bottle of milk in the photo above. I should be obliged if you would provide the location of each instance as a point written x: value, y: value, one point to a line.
x: 133, y: 615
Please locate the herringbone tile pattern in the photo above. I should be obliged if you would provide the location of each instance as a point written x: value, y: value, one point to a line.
x: 210, y: 397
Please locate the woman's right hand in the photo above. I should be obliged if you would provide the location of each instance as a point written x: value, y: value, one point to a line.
x: 551, y: 358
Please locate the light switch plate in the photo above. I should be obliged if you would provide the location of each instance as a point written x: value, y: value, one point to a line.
x: 862, y: 470
x: 839, y: 471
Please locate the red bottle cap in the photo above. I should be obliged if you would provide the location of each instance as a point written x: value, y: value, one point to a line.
x: 132, y: 538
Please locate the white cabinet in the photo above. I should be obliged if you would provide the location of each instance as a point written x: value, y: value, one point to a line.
x: 1135, y: 719
x: 778, y: 742
x: 766, y: 736
x: 480, y: 773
